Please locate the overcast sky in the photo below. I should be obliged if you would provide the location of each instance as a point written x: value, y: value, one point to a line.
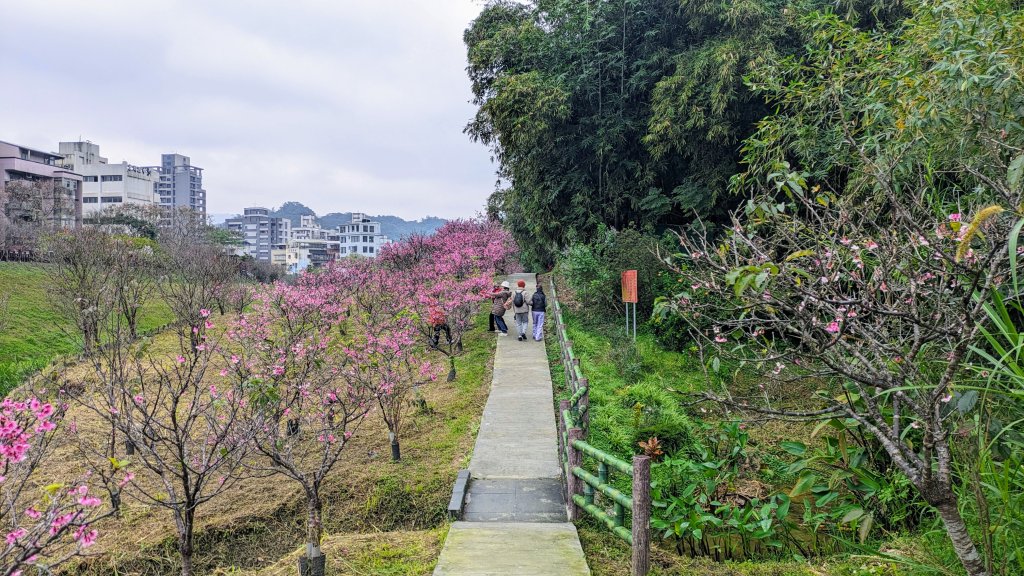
x: 342, y: 105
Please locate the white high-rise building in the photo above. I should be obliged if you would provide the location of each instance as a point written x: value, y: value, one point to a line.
x: 106, y: 185
x: 362, y: 236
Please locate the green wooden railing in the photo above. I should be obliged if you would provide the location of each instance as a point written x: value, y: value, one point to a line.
x: 582, y: 487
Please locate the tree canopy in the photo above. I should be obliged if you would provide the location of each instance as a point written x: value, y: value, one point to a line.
x: 622, y: 112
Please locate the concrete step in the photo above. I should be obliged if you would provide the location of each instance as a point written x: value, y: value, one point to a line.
x: 515, y: 500
x: 512, y: 549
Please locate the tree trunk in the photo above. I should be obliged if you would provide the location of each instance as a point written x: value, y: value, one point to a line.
x: 314, y: 524
x: 396, y: 448
x: 313, y: 563
x: 964, y: 546
x: 133, y: 325
x: 185, y: 542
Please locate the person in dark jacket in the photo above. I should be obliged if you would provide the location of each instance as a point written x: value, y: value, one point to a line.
x: 498, y: 300
x: 539, y: 305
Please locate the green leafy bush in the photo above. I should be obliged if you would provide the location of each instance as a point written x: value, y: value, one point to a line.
x: 593, y: 270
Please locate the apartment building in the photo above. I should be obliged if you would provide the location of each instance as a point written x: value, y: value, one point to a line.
x: 181, y: 185
x: 40, y: 191
x: 309, y: 245
x: 260, y: 232
x: 105, y: 185
x: 362, y: 236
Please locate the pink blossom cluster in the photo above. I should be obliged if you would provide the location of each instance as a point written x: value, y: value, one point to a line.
x: 59, y: 523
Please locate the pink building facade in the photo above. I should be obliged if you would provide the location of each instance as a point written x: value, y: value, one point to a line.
x: 29, y: 171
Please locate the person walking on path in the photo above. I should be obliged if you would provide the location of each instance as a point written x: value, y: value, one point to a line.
x: 539, y: 305
x: 498, y: 301
x: 521, y: 308
x: 490, y: 317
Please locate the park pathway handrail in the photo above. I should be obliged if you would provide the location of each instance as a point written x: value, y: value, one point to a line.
x: 573, y: 428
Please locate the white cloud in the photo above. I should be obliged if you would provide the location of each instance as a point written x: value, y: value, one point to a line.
x: 338, y: 104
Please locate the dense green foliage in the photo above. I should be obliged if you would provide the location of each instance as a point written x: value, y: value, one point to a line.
x: 879, y: 143
x: 938, y: 100
x: 592, y: 269
x: 625, y: 112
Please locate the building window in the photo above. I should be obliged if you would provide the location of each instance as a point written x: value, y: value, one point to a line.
x: 111, y: 178
x: 90, y: 200
x: 91, y: 179
x: 371, y: 249
x: 371, y: 228
x: 111, y: 199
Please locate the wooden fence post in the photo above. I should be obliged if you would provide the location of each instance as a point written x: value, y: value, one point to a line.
x: 584, y: 406
x: 563, y: 454
x: 567, y: 367
x: 641, y: 515
x: 575, y: 459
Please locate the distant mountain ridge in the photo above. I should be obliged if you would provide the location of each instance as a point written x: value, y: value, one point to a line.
x: 393, y: 226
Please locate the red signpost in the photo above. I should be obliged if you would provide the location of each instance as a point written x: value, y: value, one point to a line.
x: 629, y: 296
x: 629, y: 286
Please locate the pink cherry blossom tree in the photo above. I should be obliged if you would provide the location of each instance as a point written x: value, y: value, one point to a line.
x: 878, y: 300
x: 285, y: 354
x: 443, y: 277
x: 190, y: 436
x: 40, y: 533
x: 382, y: 352
x: 104, y: 453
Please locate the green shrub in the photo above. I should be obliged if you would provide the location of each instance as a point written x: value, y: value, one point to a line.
x: 671, y: 331
x: 593, y: 270
x: 628, y: 360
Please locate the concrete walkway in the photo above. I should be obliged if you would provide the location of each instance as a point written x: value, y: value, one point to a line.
x: 514, y: 519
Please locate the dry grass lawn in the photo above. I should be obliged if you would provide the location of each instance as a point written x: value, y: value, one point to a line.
x: 374, y: 509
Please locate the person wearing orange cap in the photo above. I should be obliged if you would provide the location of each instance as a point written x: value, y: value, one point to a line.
x: 521, y: 308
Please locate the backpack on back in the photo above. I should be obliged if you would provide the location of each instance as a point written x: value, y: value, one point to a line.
x: 518, y: 300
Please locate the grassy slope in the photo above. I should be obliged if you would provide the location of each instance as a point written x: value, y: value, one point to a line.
x: 35, y: 333
x: 380, y: 517
x: 33, y: 328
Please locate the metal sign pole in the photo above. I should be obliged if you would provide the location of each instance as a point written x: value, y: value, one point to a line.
x: 634, y: 322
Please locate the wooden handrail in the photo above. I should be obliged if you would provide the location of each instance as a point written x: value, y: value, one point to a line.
x: 573, y: 426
